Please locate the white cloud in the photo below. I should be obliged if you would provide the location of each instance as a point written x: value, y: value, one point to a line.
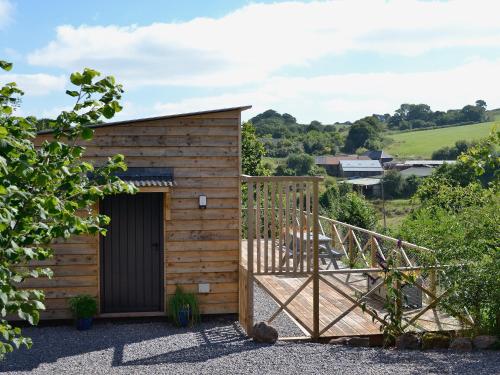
x: 6, y: 9
x: 258, y: 40
x: 35, y: 84
x: 350, y: 96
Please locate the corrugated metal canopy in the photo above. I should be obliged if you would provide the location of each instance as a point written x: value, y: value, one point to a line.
x: 360, y: 163
x: 147, y: 176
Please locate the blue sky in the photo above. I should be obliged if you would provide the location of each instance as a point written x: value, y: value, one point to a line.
x: 325, y: 60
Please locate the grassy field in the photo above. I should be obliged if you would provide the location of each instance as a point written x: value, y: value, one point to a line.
x: 421, y: 144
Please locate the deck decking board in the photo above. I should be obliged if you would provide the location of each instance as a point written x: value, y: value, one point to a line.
x: 332, y: 304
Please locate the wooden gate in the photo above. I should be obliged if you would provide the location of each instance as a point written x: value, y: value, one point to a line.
x: 131, y: 254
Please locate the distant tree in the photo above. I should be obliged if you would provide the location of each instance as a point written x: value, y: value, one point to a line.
x: 481, y: 103
x: 314, y: 126
x: 393, y: 184
x: 300, y: 164
x: 289, y: 119
x: 451, y: 153
x: 473, y: 113
x: 362, y: 131
x: 252, y: 151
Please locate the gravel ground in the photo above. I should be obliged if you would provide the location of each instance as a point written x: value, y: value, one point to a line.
x: 218, y: 346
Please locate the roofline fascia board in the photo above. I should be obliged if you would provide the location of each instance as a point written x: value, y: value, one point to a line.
x: 187, y: 114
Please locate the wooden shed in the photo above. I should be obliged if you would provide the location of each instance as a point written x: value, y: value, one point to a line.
x: 160, y: 237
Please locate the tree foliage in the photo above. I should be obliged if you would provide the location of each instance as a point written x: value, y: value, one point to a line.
x: 364, y: 133
x: 459, y: 219
x: 339, y: 202
x: 252, y: 152
x: 43, y: 188
x: 417, y: 116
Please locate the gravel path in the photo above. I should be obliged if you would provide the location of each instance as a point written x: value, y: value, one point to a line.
x: 218, y: 346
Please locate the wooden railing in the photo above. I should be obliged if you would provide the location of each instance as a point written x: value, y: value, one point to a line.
x: 282, y: 237
x: 283, y: 228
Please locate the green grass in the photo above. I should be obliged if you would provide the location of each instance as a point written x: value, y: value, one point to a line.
x: 396, y: 210
x: 421, y: 144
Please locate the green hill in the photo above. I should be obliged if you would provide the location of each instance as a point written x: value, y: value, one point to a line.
x: 421, y: 144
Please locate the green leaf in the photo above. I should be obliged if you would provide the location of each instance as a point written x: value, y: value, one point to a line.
x: 3, y: 132
x: 87, y: 133
x: 5, y: 65
x: 76, y: 78
x: 108, y: 111
x: 7, y: 110
x: 3, y: 190
x: 72, y: 93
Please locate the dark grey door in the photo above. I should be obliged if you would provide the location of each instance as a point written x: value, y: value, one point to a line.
x: 132, y: 253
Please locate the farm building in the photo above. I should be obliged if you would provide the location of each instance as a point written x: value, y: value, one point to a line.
x: 381, y: 156
x: 360, y: 168
x: 182, y: 228
x: 332, y: 163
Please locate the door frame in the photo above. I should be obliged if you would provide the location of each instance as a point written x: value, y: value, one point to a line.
x: 165, y: 217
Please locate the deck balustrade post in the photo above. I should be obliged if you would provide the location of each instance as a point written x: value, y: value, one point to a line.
x: 373, y: 252
x: 351, y: 247
x: 250, y: 252
x: 315, y: 334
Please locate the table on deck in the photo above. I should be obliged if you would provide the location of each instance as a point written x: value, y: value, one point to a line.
x: 325, y: 247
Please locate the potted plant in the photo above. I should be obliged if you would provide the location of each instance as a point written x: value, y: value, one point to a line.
x: 84, y: 307
x: 183, y: 308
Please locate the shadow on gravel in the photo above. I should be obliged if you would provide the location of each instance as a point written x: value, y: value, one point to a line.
x: 212, y: 343
x: 207, y: 341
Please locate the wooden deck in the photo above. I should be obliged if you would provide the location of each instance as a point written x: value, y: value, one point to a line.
x: 333, y: 304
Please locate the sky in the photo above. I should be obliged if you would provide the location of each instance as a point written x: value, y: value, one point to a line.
x: 317, y: 60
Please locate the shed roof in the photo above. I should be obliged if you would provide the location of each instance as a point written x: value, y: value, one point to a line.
x: 417, y: 171
x: 127, y: 122
x: 363, y: 181
x: 377, y: 154
x: 429, y: 162
x: 335, y: 160
x: 361, y: 165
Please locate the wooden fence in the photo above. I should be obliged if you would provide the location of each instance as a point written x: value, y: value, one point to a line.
x: 284, y: 230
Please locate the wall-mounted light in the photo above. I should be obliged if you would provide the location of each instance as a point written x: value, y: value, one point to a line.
x: 203, y: 201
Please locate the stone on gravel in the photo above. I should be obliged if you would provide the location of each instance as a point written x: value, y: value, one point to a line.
x: 358, y: 342
x: 432, y: 340
x: 461, y: 343
x: 264, y: 333
x: 351, y: 341
x: 484, y: 341
x: 339, y: 341
x: 407, y: 341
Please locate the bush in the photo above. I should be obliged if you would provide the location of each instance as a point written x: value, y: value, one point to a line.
x: 296, y: 165
x: 393, y: 184
x: 83, y: 306
x: 341, y: 203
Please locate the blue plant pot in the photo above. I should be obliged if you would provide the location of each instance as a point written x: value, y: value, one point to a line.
x: 184, y: 317
x: 83, y: 324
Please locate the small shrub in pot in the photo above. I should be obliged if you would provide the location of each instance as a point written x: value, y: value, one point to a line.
x: 84, y: 307
x: 183, y: 308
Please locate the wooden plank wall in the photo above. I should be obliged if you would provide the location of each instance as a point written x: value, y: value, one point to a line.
x: 201, y: 245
